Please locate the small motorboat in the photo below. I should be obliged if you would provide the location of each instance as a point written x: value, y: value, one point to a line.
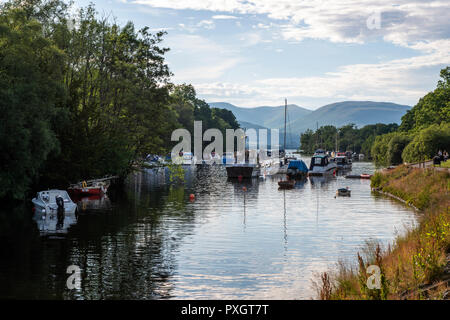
x: 286, y: 184
x: 343, y: 192
x: 358, y: 176
x: 46, y: 202
x: 343, y: 163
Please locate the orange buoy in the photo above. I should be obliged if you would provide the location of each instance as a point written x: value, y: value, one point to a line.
x: 244, y: 189
x: 192, y: 197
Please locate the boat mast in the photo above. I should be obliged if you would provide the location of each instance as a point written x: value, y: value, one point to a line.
x: 337, y: 142
x: 285, y: 114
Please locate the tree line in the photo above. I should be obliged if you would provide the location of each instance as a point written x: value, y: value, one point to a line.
x: 346, y: 138
x: 82, y: 97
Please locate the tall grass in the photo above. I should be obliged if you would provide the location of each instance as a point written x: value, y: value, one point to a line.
x: 414, y: 266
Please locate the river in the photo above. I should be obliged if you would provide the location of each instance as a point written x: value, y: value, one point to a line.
x: 153, y: 242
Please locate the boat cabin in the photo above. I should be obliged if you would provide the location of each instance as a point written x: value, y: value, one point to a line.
x: 319, y: 161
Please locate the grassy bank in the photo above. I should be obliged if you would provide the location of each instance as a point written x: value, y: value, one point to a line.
x: 415, y: 266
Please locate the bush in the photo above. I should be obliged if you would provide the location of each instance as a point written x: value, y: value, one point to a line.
x: 427, y: 143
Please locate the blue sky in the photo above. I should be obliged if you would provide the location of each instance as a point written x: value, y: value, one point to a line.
x: 257, y: 52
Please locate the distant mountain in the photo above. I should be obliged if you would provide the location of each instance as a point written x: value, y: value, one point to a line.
x: 269, y: 117
x: 360, y: 113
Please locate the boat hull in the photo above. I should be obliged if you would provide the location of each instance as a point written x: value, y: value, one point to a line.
x: 93, y: 191
x: 243, y: 172
x: 329, y: 171
x: 289, y: 184
x: 69, y: 208
x: 296, y: 175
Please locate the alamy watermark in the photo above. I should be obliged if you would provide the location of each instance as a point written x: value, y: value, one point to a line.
x: 373, y: 22
x: 74, y: 280
x: 374, y: 281
x: 255, y: 141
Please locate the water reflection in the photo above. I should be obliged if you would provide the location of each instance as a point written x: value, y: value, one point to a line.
x: 234, y: 240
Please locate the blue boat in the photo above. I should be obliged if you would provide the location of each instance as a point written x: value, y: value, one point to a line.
x: 297, y: 170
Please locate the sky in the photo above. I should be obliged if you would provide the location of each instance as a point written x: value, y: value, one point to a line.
x: 259, y: 52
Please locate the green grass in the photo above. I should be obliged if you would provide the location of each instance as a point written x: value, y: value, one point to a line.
x: 416, y: 258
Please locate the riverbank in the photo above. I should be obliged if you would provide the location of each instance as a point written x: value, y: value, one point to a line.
x: 416, y: 265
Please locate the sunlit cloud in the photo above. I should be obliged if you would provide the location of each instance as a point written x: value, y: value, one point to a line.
x: 224, y: 17
x: 397, y: 80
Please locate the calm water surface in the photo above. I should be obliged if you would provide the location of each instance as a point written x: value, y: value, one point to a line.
x: 152, y: 242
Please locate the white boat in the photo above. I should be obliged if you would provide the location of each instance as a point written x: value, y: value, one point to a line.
x: 343, y: 163
x: 320, y: 152
x: 45, y: 202
x: 321, y: 165
x: 188, y: 159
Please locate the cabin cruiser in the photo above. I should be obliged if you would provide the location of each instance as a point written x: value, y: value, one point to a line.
x: 320, y: 152
x: 321, y: 165
x: 46, y: 202
x: 343, y: 163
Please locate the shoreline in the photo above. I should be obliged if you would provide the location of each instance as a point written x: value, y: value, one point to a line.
x: 417, y: 264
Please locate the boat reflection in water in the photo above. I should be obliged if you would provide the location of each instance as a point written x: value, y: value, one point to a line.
x: 319, y: 181
x: 92, y: 203
x: 55, y: 222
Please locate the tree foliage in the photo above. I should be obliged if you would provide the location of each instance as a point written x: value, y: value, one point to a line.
x: 346, y: 138
x: 424, y: 129
x: 427, y: 142
x: 433, y: 108
x: 31, y: 95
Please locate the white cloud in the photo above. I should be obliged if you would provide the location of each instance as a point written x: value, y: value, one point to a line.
x: 397, y: 80
x: 405, y: 23
x: 224, y: 17
x: 420, y: 25
x: 207, y: 24
x: 207, y: 59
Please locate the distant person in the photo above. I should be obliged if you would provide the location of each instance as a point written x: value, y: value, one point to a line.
x: 441, y: 156
x: 445, y: 155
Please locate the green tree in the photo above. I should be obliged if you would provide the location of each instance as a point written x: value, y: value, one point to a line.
x: 31, y: 94
x: 433, y: 108
x: 427, y: 143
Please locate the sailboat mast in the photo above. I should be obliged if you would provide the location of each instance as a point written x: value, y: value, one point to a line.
x: 285, y: 115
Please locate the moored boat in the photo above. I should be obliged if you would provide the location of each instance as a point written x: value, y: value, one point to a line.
x: 321, y: 165
x: 297, y: 170
x: 343, y: 163
x: 93, y: 187
x: 46, y: 202
x: 344, y: 192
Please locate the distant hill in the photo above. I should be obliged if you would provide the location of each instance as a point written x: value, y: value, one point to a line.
x: 360, y: 113
x: 269, y: 117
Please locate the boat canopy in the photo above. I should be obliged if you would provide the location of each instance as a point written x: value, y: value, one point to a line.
x: 298, y: 164
x: 319, y: 161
